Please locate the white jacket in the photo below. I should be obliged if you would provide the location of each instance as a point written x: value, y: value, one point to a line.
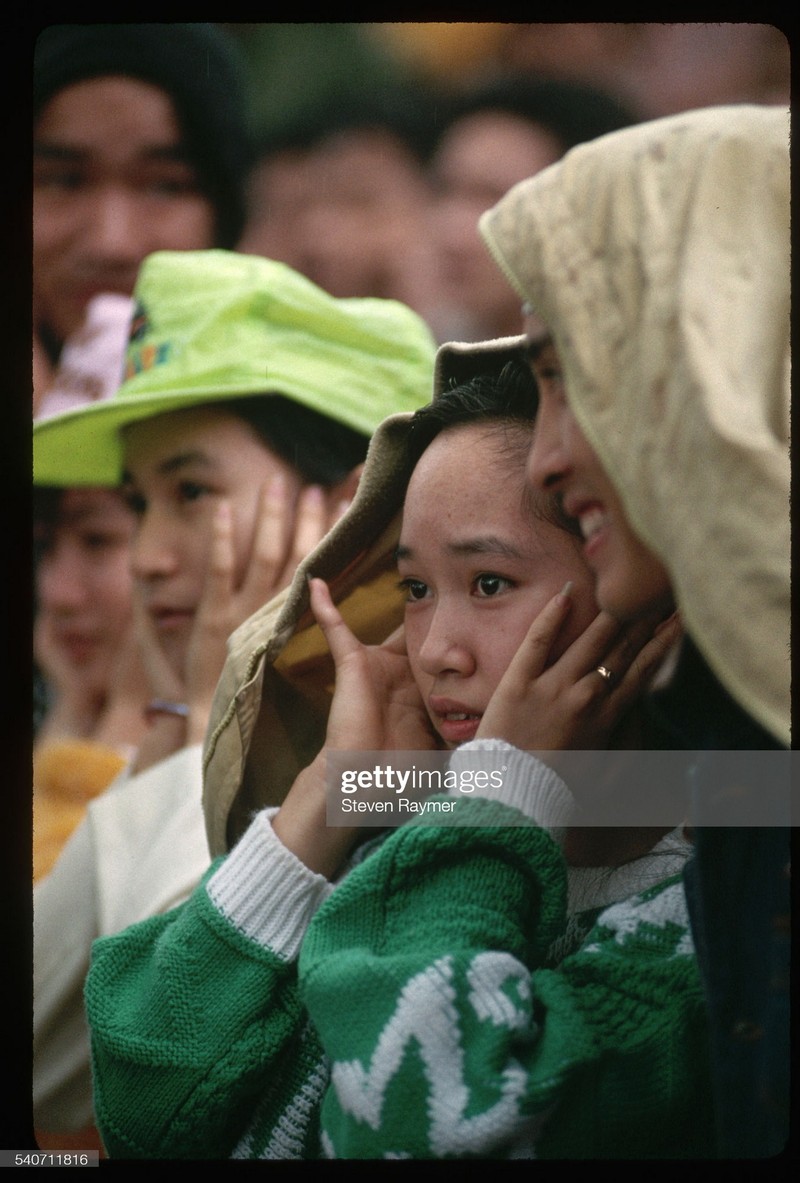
x: 140, y: 850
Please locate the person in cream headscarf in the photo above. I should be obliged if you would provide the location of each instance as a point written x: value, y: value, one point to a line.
x: 654, y: 267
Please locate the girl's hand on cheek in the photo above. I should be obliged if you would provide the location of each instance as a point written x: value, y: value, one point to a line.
x: 122, y: 721
x: 282, y: 535
x: 193, y: 685
x: 165, y: 733
x: 569, y: 704
x: 78, y: 702
x: 280, y: 531
x: 48, y: 655
x: 161, y: 679
x: 285, y: 532
x: 376, y: 707
x: 376, y: 704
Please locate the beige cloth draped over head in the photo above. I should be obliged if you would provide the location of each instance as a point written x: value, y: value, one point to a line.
x: 271, y: 705
x: 658, y: 258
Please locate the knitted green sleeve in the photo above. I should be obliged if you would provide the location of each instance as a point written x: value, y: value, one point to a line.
x: 193, y: 1026
x: 423, y: 974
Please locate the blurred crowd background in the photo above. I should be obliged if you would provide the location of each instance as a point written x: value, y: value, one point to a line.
x: 657, y: 67
x: 378, y: 144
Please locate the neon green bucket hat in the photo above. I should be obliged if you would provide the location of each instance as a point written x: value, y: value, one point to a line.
x: 212, y: 325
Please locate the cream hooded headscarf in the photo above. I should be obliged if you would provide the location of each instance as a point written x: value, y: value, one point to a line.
x: 658, y: 257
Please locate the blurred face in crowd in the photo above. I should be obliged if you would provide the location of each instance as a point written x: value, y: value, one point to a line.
x: 278, y: 189
x: 111, y: 185
x: 630, y: 579
x: 478, y: 160
x: 363, y: 217
x: 83, y: 585
x: 178, y: 467
x: 478, y: 566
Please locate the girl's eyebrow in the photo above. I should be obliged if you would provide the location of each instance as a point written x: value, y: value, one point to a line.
x: 481, y: 545
x: 182, y: 460
x: 485, y: 544
x: 174, y: 463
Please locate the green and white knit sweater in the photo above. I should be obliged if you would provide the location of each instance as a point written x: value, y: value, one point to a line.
x: 414, y: 1010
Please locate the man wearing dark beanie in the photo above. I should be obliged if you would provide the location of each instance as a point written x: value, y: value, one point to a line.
x: 140, y: 144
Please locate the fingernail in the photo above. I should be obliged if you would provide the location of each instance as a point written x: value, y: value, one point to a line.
x: 566, y: 590
x: 315, y: 494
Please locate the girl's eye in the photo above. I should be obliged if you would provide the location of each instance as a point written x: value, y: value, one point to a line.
x: 135, y: 502
x: 58, y: 178
x: 490, y: 585
x: 172, y: 180
x: 98, y: 541
x: 415, y: 589
x: 549, y: 379
x: 191, y: 491
x: 546, y: 366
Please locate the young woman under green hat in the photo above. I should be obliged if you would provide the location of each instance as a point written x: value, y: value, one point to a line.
x: 239, y: 431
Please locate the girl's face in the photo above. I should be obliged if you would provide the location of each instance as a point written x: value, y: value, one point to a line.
x: 478, y: 567
x: 179, y: 466
x: 83, y: 582
x: 630, y: 579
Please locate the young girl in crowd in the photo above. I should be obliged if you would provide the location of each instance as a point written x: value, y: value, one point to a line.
x: 240, y: 429
x: 89, y: 683
x: 479, y: 988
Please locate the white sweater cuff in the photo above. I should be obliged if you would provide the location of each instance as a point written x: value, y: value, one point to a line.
x: 265, y: 891
x: 516, y: 778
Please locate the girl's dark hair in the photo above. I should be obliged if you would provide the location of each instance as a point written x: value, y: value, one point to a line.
x: 323, y: 450
x: 509, y: 399
x: 509, y: 396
